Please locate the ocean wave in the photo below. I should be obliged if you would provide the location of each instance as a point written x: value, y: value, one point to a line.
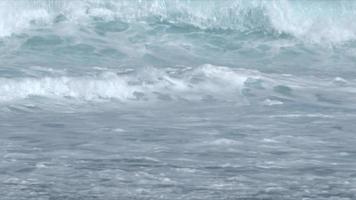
x: 317, y: 21
x: 207, y: 83
x: 147, y: 84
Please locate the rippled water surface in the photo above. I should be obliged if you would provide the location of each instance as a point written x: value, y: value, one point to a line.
x: 179, y: 99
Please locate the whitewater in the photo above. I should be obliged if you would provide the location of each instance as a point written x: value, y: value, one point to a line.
x: 177, y: 99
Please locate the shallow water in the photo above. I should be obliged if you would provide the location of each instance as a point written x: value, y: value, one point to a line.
x: 177, y: 99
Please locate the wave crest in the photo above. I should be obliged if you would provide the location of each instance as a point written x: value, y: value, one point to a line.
x: 316, y: 21
x: 148, y: 84
x: 207, y: 83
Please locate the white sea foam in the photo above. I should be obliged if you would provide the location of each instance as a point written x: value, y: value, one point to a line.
x: 206, y: 83
x: 145, y: 84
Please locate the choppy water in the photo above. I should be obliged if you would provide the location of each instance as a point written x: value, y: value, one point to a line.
x: 177, y: 99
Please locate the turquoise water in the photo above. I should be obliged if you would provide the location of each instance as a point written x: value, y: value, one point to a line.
x: 179, y: 99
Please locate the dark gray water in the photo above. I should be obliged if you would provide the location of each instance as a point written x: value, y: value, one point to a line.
x: 177, y: 99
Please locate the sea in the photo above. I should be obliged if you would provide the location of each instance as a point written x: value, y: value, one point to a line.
x: 177, y: 100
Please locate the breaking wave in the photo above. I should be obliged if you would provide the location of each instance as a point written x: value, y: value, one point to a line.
x: 206, y: 84
x: 129, y: 85
x: 316, y: 21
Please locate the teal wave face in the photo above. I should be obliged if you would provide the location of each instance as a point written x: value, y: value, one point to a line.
x: 271, y: 36
x: 314, y: 21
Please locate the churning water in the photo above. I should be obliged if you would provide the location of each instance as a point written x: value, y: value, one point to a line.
x: 177, y: 99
